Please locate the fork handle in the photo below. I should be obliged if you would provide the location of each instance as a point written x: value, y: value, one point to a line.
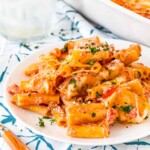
x: 13, y: 141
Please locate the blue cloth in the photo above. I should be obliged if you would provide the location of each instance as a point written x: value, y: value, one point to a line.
x: 68, y: 25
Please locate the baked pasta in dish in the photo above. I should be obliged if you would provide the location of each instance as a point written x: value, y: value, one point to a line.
x: 86, y: 86
x: 141, y: 7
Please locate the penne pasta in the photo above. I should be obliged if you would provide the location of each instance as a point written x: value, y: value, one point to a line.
x: 59, y: 115
x: 39, y: 85
x: 24, y: 99
x: 93, y: 130
x: 40, y: 109
x: 129, y: 55
x: 85, y: 113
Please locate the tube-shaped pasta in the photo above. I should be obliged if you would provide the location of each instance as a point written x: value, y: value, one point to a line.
x: 32, y: 69
x: 85, y: 113
x: 64, y: 71
x: 55, y: 53
x: 96, y: 68
x: 129, y: 55
x: 34, y: 99
x: 131, y: 107
x: 94, y: 130
x: 59, y: 115
x: 114, y: 67
x: 135, y: 86
x: 98, y: 56
x: 83, y: 43
x: 36, y: 84
x: 140, y: 71
x: 40, y: 109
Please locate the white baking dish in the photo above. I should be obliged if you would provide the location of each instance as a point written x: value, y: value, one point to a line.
x: 119, y: 20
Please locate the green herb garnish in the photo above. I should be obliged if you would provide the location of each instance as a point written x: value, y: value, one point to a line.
x: 105, y: 46
x: 93, y: 50
x: 97, y: 94
x: 52, y: 120
x: 65, y: 49
x: 139, y: 73
x: 73, y: 81
x: 126, y: 109
x: 93, y: 114
x: 41, y: 122
x: 45, y: 117
x: 91, y: 63
x: 113, y: 83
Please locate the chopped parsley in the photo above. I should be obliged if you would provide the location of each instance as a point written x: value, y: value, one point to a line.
x: 93, y: 114
x: 126, y: 109
x: 93, y: 50
x: 52, y: 120
x: 79, y: 148
x: 113, y: 83
x: 105, y: 46
x: 91, y: 63
x: 146, y: 117
x: 45, y: 117
x: 97, y: 94
x: 74, y: 73
x: 139, y: 73
x: 65, y: 49
x: 73, y: 81
x: 41, y: 122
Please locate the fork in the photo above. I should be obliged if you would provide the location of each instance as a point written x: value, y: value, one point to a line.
x: 11, y: 139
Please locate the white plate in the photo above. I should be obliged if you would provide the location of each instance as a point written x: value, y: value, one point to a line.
x: 119, y: 20
x: 118, y: 133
